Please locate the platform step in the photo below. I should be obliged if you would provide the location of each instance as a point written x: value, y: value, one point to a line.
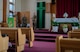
x: 47, y: 37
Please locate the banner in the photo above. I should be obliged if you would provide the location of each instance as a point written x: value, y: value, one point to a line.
x: 10, y: 22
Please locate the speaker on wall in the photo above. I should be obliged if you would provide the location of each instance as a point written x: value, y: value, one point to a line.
x: 53, y: 1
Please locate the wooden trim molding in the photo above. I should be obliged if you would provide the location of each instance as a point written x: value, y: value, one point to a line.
x: 4, y: 10
x: 48, y: 7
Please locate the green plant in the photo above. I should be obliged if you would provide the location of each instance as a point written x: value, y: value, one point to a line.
x: 75, y: 24
x: 65, y: 26
x: 55, y: 23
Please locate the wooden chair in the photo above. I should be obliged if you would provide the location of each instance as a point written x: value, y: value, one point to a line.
x: 16, y: 36
x: 4, y: 43
x: 29, y: 35
x: 67, y: 44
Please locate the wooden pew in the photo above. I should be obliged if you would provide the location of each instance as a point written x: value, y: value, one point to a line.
x: 76, y: 30
x: 16, y: 36
x: 74, y: 34
x: 3, y: 43
x: 67, y: 44
x: 29, y: 35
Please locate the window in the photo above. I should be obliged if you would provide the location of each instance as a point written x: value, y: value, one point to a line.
x: 11, y: 0
x: 11, y: 8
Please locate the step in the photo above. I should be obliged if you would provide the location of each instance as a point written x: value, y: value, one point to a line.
x: 45, y: 39
x: 41, y: 30
x: 47, y: 31
x: 49, y: 35
x: 45, y: 36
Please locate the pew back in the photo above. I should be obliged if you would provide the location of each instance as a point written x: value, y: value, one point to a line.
x: 26, y: 31
x: 67, y: 44
x: 15, y: 35
x: 74, y: 34
x: 3, y: 43
x: 29, y: 35
x: 11, y: 32
x: 76, y: 30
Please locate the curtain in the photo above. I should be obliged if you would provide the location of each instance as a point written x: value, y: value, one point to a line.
x: 79, y: 5
x: 69, y: 6
x: 76, y: 9
x: 60, y: 8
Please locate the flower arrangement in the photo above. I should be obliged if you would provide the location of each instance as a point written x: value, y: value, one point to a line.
x: 65, y: 26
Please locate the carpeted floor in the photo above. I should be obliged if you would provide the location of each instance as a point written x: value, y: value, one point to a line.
x: 48, y: 34
x: 47, y: 37
x: 43, y: 46
x: 40, y: 46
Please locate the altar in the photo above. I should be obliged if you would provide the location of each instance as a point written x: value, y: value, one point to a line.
x: 66, y: 20
x: 71, y: 22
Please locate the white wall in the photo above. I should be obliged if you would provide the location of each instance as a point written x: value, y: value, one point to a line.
x: 32, y: 7
x: 17, y: 5
x: 47, y: 1
x: 23, y: 5
x: 28, y: 5
x: 1, y: 11
x: 47, y: 21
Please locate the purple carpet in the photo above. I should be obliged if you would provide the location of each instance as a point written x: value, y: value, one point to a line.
x: 47, y: 37
x: 43, y: 46
x: 40, y: 46
x: 47, y: 34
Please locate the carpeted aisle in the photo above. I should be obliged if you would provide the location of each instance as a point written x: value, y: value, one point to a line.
x: 44, y: 42
x: 40, y: 46
x: 49, y: 37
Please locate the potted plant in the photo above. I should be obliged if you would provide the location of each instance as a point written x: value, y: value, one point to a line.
x: 55, y: 26
x: 65, y: 28
x: 75, y: 26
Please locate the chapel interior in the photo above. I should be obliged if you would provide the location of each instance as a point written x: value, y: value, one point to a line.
x: 39, y: 25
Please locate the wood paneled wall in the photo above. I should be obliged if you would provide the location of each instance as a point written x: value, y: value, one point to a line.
x: 22, y: 14
x: 53, y: 8
x: 48, y: 7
